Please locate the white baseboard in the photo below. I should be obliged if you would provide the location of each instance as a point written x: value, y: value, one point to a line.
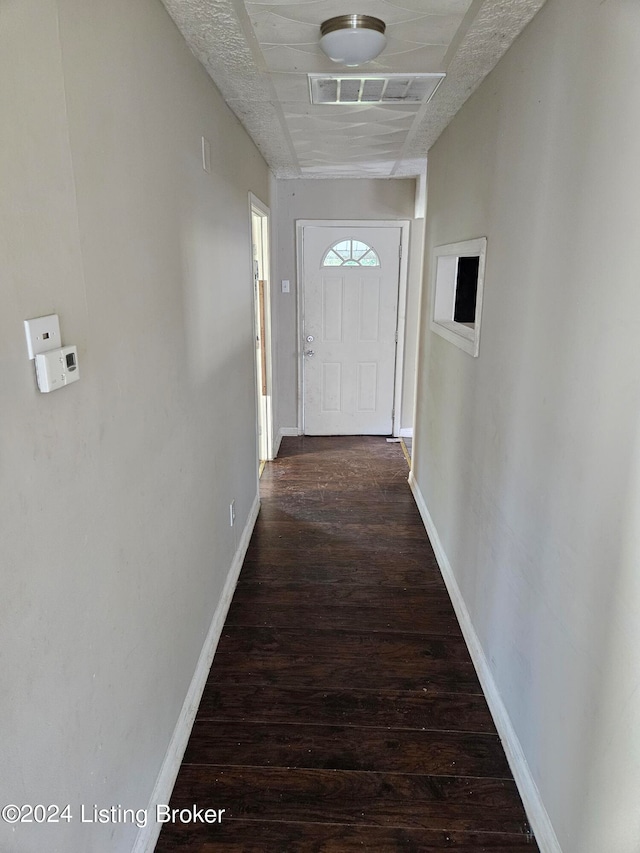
x: 281, y: 433
x: 406, y: 432
x: 147, y: 837
x: 534, y: 807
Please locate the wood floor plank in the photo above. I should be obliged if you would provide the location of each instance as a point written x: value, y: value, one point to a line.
x: 342, y: 659
x: 356, y: 595
x: 326, y: 523
x: 441, y: 624
x: 453, y: 803
x: 291, y: 569
x: 362, y: 532
x: 394, y: 709
x: 334, y: 747
x: 309, y: 549
x: 237, y: 836
x: 405, y: 653
x: 342, y: 506
x: 308, y: 506
x: 403, y: 611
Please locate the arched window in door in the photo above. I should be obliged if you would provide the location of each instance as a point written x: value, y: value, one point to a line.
x: 351, y: 253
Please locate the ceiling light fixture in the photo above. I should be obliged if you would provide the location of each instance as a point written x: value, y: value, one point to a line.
x: 352, y: 39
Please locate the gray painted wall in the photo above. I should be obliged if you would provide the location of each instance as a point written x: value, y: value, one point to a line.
x: 114, y: 506
x: 334, y: 199
x: 528, y: 457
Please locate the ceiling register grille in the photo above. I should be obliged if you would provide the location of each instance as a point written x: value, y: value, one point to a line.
x: 373, y: 89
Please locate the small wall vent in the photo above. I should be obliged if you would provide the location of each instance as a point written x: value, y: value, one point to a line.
x: 373, y: 89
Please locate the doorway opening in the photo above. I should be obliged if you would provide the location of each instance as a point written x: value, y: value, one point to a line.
x: 262, y: 322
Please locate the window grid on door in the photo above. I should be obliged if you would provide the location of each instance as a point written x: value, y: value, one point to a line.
x: 351, y: 253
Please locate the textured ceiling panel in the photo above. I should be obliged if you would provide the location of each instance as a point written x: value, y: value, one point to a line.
x: 259, y: 54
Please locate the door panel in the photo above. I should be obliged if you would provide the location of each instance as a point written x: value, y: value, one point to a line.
x: 369, y: 320
x: 332, y: 304
x: 331, y: 387
x: 350, y: 311
x: 367, y: 386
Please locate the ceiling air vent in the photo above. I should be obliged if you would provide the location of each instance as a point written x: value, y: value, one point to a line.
x: 373, y: 89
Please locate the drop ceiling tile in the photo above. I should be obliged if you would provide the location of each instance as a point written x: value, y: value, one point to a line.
x: 341, y: 113
x: 302, y: 57
x: 275, y: 29
x: 434, y: 7
x: 362, y: 139
x: 405, y: 59
x: 346, y: 170
x: 291, y: 87
x: 315, y: 13
x: 430, y: 29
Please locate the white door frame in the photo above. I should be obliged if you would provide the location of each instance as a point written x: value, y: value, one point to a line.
x: 264, y: 404
x: 404, y: 226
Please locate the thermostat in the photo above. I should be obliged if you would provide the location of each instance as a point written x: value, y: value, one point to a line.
x: 57, y: 368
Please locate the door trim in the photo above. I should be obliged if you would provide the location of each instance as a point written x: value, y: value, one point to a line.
x: 404, y: 225
x: 263, y: 401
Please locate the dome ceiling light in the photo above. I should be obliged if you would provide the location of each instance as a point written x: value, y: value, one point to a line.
x: 352, y: 39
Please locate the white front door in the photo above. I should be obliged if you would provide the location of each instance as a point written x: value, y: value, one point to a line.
x: 350, y: 309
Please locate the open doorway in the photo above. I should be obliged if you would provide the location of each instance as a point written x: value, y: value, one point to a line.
x: 261, y: 283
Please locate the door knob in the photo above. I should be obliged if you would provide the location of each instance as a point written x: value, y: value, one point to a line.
x: 309, y: 339
x: 309, y: 352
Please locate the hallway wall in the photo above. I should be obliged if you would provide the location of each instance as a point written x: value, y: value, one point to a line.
x: 114, y: 508
x: 528, y: 457
x: 335, y: 199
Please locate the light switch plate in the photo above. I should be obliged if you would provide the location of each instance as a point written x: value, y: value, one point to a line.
x: 43, y: 334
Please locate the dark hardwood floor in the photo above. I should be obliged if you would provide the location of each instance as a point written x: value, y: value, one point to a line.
x: 342, y: 712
